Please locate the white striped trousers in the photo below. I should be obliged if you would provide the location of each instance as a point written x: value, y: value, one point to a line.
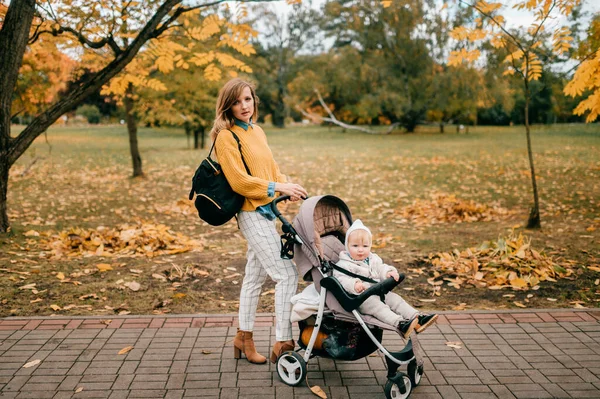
x: 264, y: 259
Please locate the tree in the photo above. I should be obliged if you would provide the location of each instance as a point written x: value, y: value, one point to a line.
x: 89, y: 25
x: 189, y: 106
x: 525, y: 48
x: 455, y: 95
x: 391, y: 45
x: 193, y: 45
x: 44, y: 74
x: 284, y: 37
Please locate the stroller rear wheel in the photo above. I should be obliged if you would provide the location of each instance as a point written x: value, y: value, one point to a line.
x: 393, y: 391
x: 291, y: 368
x: 415, y: 373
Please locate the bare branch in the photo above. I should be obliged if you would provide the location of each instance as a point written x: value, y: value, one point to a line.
x: 334, y: 120
x: 84, y: 40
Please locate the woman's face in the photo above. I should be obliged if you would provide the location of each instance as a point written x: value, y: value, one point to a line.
x: 243, y: 107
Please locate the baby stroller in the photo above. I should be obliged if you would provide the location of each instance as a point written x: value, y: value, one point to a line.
x: 316, y: 239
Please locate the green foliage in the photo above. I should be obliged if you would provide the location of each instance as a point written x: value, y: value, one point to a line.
x: 90, y: 112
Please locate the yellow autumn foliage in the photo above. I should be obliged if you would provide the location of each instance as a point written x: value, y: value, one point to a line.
x: 492, y: 24
x: 586, y: 79
x: 509, y: 262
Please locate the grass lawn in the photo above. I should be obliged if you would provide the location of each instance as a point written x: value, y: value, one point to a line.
x: 79, y: 178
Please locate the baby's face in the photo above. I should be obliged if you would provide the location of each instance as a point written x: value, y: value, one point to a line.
x: 359, y: 245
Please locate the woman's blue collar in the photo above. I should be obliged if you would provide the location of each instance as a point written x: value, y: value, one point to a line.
x: 243, y: 124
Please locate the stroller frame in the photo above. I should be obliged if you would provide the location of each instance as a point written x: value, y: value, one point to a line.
x: 291, y: 367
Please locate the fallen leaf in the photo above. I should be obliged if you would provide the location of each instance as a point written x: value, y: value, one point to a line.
x: 125, y: 350
x: 136, y: 271
x: 32, y: 363
x: 56, y: 308
x: 508, y: 296
x: 206, y: 352
x: 133, y: 286
x: 317, y: 390
x: 454, y: 344
x: 552, y: 299
x: 594, y: 268
x: 104, y: 267
x: 79, y: 390
x: 88, y: 296
x: 36, y: 300
x: 159, y: 276
x: 427, y: 300
x: 60, y: 275
x: 519, y: 304
x: 179, y: 295
x: 518, y: 283
x: 269, y: 292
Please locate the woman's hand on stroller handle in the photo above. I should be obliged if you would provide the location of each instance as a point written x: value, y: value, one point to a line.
x: 293, y: 190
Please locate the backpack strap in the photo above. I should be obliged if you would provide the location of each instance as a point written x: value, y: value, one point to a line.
x: 237, y: 139
x: 240, y: 148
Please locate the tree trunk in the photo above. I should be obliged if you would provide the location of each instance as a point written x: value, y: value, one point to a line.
x: 442, y: 128
x: 534, y: 221
x: 202, y: 132
x: 196, y: 131
x: 188, y: 133
x: 4, y: 169
x: 136, y: 159
x: 13, y: 41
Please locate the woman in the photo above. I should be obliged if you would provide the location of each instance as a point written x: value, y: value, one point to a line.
x: 237, y: 108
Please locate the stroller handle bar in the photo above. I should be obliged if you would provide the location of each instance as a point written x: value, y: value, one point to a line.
x: 290, y: 236
x: 274, y: 206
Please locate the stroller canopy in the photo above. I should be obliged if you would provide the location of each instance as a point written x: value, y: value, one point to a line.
x: 319, y: 217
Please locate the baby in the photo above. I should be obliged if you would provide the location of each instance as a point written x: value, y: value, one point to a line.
x: 358, y: 259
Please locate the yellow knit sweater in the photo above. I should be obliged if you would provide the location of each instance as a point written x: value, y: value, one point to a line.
x: 258, y: 157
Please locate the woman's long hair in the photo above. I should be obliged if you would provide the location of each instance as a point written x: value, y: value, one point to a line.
x: 228, y: 95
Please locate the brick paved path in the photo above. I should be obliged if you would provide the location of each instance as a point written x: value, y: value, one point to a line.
x: 542, y: 354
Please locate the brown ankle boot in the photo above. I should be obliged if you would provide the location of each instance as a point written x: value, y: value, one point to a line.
x: 280, y: 347
x: 243, y: 342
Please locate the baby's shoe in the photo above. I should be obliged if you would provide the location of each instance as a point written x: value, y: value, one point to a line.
x: 406, y: 327
x: 424, y: 321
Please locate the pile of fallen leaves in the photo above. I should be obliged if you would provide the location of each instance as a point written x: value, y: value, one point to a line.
x: 508, y: 262
x: 443, y: 208
x: 141, y: 239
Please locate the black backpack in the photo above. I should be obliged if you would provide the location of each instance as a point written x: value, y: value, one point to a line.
x: 216, y: 201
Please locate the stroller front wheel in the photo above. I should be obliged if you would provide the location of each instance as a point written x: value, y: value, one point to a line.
x: 393, y: 391
x: 291, y: 368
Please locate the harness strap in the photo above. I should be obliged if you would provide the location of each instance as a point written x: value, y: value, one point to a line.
x: 349, y: 273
